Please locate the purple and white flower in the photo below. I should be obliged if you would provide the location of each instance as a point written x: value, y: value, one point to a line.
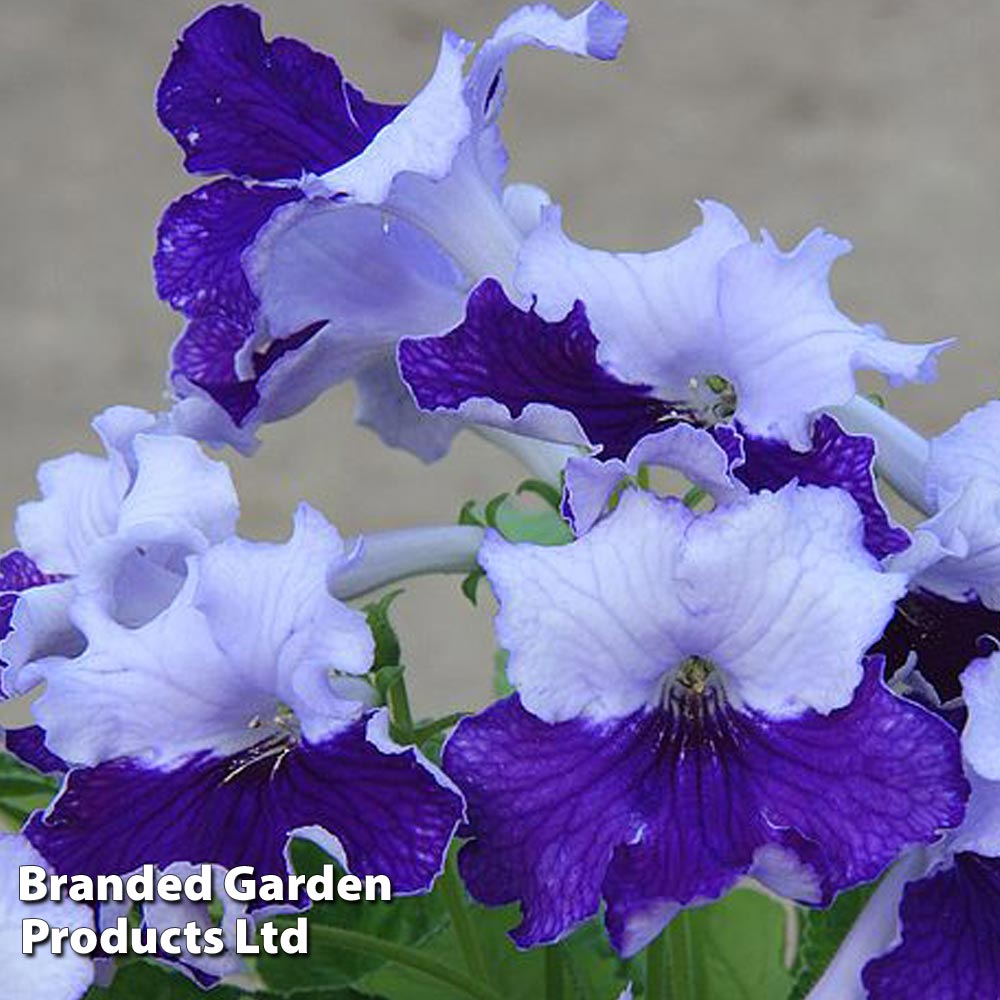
x: 342, y: 224
x: 234, y: 719
x: 720, y: 327
x: 932, y: 929
x: 118, y: 528
x: 693, y: 705
x: 42, y: 976
x: 951, y: 614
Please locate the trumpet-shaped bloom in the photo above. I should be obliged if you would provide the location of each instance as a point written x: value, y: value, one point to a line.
x: 956, y: 551
x: 343, y: 225
x: 42, y: 976
x: 233, y: 720
x: 719, y: 327
x: 118, y: 527
x: 693, y: 706
x: 932, y: 929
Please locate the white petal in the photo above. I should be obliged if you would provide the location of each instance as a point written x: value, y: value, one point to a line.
x: 964, y: 452
x: 981, y: 736
x: 270, y: 611
x: 777, y: 592
x: 42, y: 976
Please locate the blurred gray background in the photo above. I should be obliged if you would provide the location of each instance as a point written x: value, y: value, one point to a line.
x: 875, y: 118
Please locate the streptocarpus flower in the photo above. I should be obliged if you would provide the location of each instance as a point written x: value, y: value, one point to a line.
x: 719, y: 327
x: 956, y: 551
x: 118, y: 527
x: 693, y: 706
x: 932, y: 930
x: 238, y: 712
x: 42, y: 976
x: 951, y: 614
x: 343, y: 224
x: 727, y: 464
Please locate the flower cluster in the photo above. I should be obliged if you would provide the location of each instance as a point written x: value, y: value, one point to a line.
x: 758, y: 679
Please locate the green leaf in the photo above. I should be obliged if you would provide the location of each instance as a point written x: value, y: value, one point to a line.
x: 469, y: 515
x: 155, y: 982
x: 822, y: 932
x: 22, y: 790
x: 519, y: 522
x: 386, y: 677
x: 387, y: 650
x: 545, y: 490
x: 737, y: 946
x: 470, y: 585
x: 493, y: 507
x: 501, y: 686
x: 405, y: 920
x: 515, y: 975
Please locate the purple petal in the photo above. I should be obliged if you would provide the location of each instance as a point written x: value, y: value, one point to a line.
x: 829, y: 791
x: 389, y: 814
x: 238, y: 104
x: 516, y: 358
x: 667, y: 807
x: 950, y: 948
x: 200, y: 243
x: 547, y: 805
x: 835, y: 458
x: 205, y: 354
x: 28, y: 745
x: 18, y: 572
x: 945, y: 635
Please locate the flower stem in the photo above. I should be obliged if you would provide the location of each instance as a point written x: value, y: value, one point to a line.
x: 386, y: 557
x: 554, y: 977
x: 656, y: 967
x: 400, y: 712
x: 468, y: 942
x: 406, y: 956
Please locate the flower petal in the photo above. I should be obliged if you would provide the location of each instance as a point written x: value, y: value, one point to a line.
x: 199, y: 247
x: 777, y: 593
x: 517, y: 360
x: 944, y: 636
x: 721, y: 304
x: 547, y: 806
x: 827, y: 790
x: 427, y: 135
x: 591, y: 482
x: 834, y: 458
x: 669, y: 807
x: 950, y: 948
x: 964, y: 452
x: 386, y: 406
x: 238, y: 104
x: 42, y: 976
x: 387, y: 813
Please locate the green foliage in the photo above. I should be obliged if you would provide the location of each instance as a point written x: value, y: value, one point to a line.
x: 822, y: 932
x: 405, y: 920
x: 518, y: 520
x: 593, y: 971
x: 387, y: 649
x: 737, y: 946
x: 22, y: 790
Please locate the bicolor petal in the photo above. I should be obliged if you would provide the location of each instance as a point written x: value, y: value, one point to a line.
x: 378, y: 812
x: 669, y: 806
x: 758, y: 590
